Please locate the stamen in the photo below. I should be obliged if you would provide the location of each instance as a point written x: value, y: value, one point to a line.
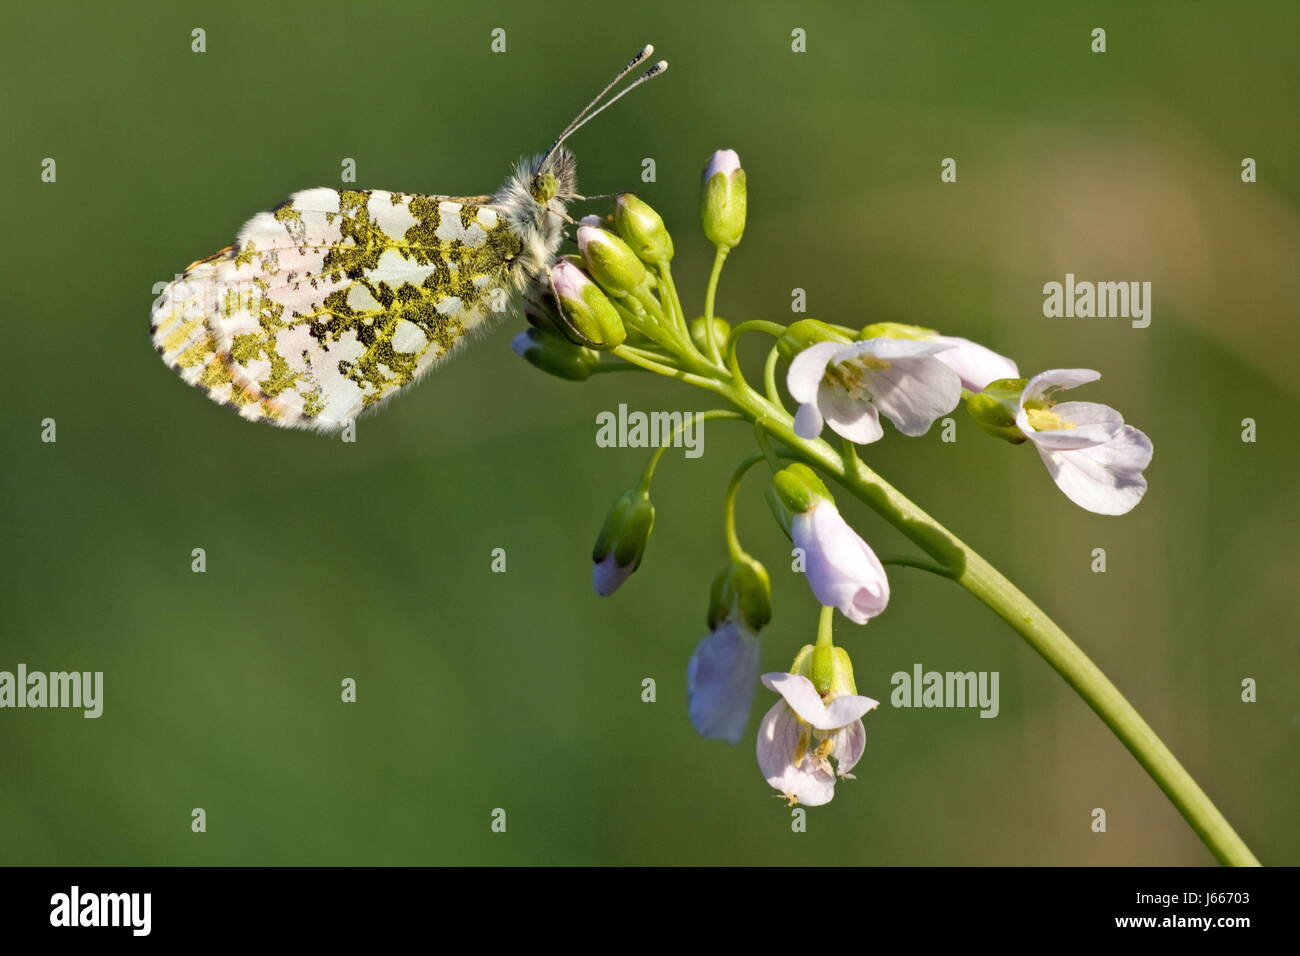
x: 1044, y: 420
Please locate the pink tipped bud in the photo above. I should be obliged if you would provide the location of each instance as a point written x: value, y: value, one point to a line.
x: 723, y: 204
x: 587, y: 317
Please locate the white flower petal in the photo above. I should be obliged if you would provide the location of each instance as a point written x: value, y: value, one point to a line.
x: 850, y: 742
x: 848, y: 709
x: 976, y: 365
x: 801, y: 695
x: 808, y: 421
x: 720, y: 682
x: 810, y: 783
x: 1044, y: 384
x: 1089, y: 413
x: 849, y: 417
x: 1104, y: 479
x: 914, y: 392
x: 807, y: 370
x: 804, y: 700
x: 778, y: 736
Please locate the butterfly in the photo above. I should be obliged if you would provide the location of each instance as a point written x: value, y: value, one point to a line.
x: 335, y: 300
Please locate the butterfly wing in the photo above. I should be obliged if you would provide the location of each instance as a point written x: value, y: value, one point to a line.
x: 335, y: 300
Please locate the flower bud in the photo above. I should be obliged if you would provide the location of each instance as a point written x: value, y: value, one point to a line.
x: 995, y: 408
x: 795, y: 489
x: 546, y: 350
x: 799, y: 335
x: 586, y: 316
x: 610, y: 261
x: 896, y: 330
x: 721, y: 331
x: 842, y: 570
x: 723, y: 203
x: 642, y: 229
x: 622, y: 541
x: 741, y: 590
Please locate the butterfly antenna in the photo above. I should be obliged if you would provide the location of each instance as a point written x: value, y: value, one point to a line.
x: 632, y: 64
x: 591, y: 110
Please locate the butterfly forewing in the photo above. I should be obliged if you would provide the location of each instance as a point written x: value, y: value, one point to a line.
x: 335, y: 300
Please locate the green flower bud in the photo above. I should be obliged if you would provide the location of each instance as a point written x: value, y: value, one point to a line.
x: 585, y: 315
x: 723, y: 203
x: 642, y: 229
x: 622, y: 541
x: 545, y: 349
x: 896, y: 330
x: 795, y: 489
x: 721, y: 330
x: 610, y: 261
x: 995, y: 408
x: 799, y: 335
x: 742, y: 590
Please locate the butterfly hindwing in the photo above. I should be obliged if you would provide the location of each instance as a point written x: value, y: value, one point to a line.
x: 334, y: 301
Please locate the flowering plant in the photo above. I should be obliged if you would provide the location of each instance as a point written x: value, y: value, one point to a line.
x: 615, y: 307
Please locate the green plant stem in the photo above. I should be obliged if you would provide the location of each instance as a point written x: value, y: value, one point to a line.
x: 710, y: 295
x: 825, y: 627
x: 733, y: 362
x: 729, y: 507
x: 668, y: 294
x: 769, y: 377
x: 660, y: 365
x: 965, y: 566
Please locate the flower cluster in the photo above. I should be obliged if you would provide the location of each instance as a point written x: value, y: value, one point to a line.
x: 614, y: 307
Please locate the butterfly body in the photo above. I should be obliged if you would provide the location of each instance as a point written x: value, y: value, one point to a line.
x: 332, y: 302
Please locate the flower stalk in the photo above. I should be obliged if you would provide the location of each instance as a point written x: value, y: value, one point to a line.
x: 896, y: 370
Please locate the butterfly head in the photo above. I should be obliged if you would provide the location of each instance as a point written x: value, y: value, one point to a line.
x: 534, y: 196
x: 554, y: 176
x: 555, y: 172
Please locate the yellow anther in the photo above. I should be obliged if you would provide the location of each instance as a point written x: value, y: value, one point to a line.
x: 1044, y: 420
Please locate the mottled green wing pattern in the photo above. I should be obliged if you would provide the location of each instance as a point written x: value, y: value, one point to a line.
x: 335, y: 300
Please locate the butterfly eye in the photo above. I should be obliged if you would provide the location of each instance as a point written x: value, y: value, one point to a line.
x: 544, y: 187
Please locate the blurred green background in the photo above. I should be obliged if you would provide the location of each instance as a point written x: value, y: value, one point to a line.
x: 522, y: 690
